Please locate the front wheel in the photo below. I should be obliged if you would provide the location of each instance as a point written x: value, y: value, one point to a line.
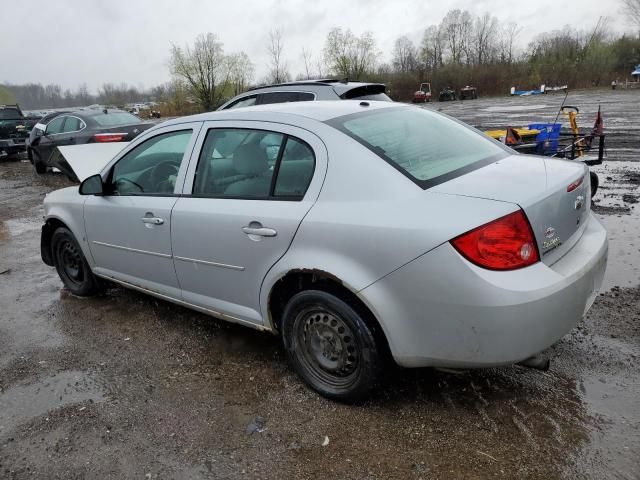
x: 72, y: 266
x: 330, y: 346
x: 38, y: 166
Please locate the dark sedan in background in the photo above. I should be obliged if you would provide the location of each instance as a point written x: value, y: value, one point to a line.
x: 79, y: 127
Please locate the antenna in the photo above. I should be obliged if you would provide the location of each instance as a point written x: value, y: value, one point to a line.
x: 562, y: 105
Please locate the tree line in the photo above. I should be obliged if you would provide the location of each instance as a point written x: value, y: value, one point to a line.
x: 462, y: 49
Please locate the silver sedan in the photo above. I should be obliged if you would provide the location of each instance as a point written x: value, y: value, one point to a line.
x: 359, y: 232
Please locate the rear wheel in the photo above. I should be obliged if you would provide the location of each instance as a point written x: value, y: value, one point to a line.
x: 72, y: 267
x: 595, y: 182
x: 330, y: 346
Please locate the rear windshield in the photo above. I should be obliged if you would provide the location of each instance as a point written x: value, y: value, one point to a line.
x: 113, y: 119
x: 427, y: 147
x: 382, y: 97
x: 9, y: 113
x: 367, y: 92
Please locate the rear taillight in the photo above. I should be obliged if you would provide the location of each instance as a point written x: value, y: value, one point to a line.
x: 109, y: 137
x: 504, y: 244
x: 572, y: 186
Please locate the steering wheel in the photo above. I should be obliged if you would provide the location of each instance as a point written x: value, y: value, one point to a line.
x: 130, y: 182
x: 160, y: 174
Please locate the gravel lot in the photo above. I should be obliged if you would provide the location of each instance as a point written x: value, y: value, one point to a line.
x: 127, y: 386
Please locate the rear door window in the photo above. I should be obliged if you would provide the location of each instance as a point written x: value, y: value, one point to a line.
x: 253, y: 164
x: 73, y: 124
x: 296, y: 169
x: 284, y: 97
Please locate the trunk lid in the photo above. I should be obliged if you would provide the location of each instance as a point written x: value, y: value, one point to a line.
x: 132, y: 130
x: 539, y: 186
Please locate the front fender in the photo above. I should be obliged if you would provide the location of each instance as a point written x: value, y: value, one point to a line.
x: 66, y: 208
x: 45, y: 244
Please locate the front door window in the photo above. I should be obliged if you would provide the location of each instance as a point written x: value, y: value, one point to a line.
x: 152, y: 167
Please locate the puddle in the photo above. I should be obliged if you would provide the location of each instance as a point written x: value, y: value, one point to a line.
x: 514, y: 108
x: 21, y: 403
x: 623, y: 265
x: 613, y: 402
x: 16, y: 227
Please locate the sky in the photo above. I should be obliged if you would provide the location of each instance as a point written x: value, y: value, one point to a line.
x: 69, y: 42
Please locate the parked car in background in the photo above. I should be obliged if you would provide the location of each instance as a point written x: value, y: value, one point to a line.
x: 468, y: 93
x: 79, y: 127
x: 353, y: 230
x: 308, y: 90
x: 423, y: 94
x: 37, y: 129
x: 13, y: 131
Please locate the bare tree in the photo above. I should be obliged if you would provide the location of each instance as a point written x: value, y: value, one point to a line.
x: 508, y: 35
x: 241, y: 71
x: 431, y: 48
x: 204, y: 68
x: 348, y: 55
x: 278, y: 66
x: 404, y: 55
x: 306, y: 57
x: 484, y: 38
x: 457, y: 27
x: 632, y: 10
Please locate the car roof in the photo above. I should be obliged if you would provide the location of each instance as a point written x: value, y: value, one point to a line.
x: 340, y: 86
x: 320, y: 111
x: 94, y: 112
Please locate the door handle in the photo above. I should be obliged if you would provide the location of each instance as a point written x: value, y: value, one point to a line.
x: 152, y: 220
x: 260, y: 231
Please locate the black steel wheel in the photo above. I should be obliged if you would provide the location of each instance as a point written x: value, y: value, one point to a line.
x: 330, y: 346
x: 72, y: 267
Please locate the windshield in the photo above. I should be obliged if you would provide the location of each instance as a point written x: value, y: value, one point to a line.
x: 113, y: 119
x: 9, y: 113
x: 427, y: 147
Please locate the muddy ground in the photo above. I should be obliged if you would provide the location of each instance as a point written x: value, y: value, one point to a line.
x: 126, y: 386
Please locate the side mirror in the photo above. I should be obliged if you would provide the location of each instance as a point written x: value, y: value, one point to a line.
x: 92, y: 185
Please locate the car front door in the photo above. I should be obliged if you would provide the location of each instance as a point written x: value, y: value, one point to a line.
x: 129, y: 227
x: 70, y: 130
x: 243, y: 200
x: 48, y: 140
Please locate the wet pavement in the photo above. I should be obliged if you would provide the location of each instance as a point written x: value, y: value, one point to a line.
x: 127, y: 386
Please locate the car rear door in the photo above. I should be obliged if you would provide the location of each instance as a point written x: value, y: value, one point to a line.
x: 245, y: 194
x: 129, y: 228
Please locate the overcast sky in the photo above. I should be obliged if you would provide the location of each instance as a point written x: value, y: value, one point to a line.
x: 73, y: 41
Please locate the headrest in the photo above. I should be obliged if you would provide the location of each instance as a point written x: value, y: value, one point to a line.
x: 250, y: 159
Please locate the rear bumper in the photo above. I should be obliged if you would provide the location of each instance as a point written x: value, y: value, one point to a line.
x: 441, y: 310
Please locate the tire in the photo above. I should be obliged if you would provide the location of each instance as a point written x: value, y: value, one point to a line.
x: 72, y: 266
x: 38, y: 166
x: 595, y: 182
x: 330, y: 346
